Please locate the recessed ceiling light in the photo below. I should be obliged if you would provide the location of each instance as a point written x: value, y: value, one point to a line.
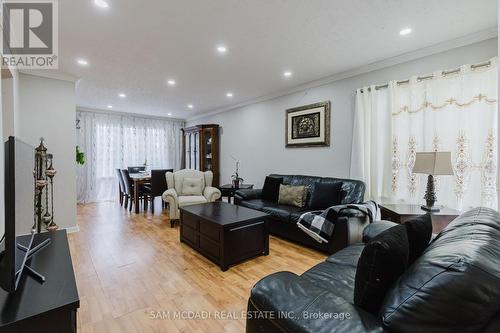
x: 82, y: 62
x: 110, y: 106
x: 405, y: 31
x: 101, y: 3
x: 190, y: 106
x: 229, y: 94
x: 169, y: 114
x: 122, y: 95
x: 221, y: 49
x: 287, y: 73
x: 171, y: 82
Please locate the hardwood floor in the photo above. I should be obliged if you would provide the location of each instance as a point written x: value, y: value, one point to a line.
x: 130, y: 267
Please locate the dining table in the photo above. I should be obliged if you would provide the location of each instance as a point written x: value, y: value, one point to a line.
x: 139, y: 179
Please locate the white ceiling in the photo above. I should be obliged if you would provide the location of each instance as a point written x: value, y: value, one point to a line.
x: 135, y: 46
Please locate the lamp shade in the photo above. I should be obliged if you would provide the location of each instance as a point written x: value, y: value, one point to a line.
x: 433, y: 163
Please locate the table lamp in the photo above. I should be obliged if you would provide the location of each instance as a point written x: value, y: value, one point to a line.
x: 432, y: 164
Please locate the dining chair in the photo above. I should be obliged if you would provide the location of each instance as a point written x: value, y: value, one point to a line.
x: 129, y: 190
x: 158, y: 186
x: 121, y: 189
x: 136, y: 169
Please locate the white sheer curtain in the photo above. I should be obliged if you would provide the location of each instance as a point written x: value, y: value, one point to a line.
x: 118, y: 141
x: 456, y: 112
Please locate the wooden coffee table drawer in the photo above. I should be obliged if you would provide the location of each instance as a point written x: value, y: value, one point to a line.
x: 191, y: 221
x: 211, y: 230
x: 190, y: 235
x: 210, y: 247
x: 250, y: 235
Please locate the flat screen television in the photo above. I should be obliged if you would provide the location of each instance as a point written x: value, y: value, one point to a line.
x: 19, y: 213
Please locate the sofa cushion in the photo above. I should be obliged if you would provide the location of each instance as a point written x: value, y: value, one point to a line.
x: 375, y: 228
x: 353, y: 190
x: 338, y: 272
x: 256, y: 204
x: 276, y: 212
x: 187, y: 200
x: 281, y: 212
x: 192, y: 186
x: 175, y: 179
x: 294, y: 217
x: 454, y: 286
x: 326, y: 194
x: 271, y: 189
x: 292, y: 195
x: 382, y: 262
x: 419, y: 230
x: 300, y: 180
x: 348, y: 256
x: 300, y: 306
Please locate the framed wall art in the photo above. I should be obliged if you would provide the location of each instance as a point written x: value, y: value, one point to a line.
x: 308, y: 126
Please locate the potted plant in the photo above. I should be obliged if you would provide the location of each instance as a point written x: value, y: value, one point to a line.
x: 80, y: 156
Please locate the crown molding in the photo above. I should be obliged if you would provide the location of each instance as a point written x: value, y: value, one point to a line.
x: 127, y: 114
x: 396, y: 60
x: 50, y: 74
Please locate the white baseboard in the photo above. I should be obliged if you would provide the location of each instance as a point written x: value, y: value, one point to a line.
x: 72, y: 229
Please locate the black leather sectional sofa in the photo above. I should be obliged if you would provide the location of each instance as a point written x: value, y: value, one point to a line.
x: 283, y: 220
x: 454, y: 286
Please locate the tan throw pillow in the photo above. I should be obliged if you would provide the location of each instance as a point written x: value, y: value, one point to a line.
x: 292, y: 195
x: 192, y: 186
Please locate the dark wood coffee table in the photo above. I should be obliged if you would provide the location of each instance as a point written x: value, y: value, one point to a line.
x: 224, y: 233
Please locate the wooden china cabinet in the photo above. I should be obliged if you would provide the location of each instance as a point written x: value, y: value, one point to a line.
x: 200, y: 149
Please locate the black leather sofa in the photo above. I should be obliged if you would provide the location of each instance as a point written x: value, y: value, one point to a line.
x: 283, y: 220
x: 453, y: 287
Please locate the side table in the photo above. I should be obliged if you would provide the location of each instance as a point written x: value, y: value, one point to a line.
x: 400, y: 213
x: 228, y: 190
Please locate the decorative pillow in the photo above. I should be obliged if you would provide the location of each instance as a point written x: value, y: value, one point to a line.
x: 419, y: 230
x: 271, y: 189
x: 192, y: 186
x: 326, y: 194
x: 381, y: 263
x: 292, y: 195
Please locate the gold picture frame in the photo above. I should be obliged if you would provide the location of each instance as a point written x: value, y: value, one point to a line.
x: 308, y: 126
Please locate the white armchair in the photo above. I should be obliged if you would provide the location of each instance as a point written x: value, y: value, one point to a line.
x: 179, y: 194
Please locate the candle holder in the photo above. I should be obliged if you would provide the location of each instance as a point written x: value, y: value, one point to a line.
x: 44, y: 195
x: 51, y: 172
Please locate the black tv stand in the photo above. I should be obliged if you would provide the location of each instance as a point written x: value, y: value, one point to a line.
x: 43, y: 307
x: 30, y: 251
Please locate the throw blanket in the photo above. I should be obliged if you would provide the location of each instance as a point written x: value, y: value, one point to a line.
x: 320, y: 224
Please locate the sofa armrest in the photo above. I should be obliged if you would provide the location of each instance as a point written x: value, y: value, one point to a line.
x: 211, y: 193
x: 348, y: 230
x: 375, y: 228
x: 169, y: 195
x: 247, y: 194
x: 351, y: 212
x: 285, y: 302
